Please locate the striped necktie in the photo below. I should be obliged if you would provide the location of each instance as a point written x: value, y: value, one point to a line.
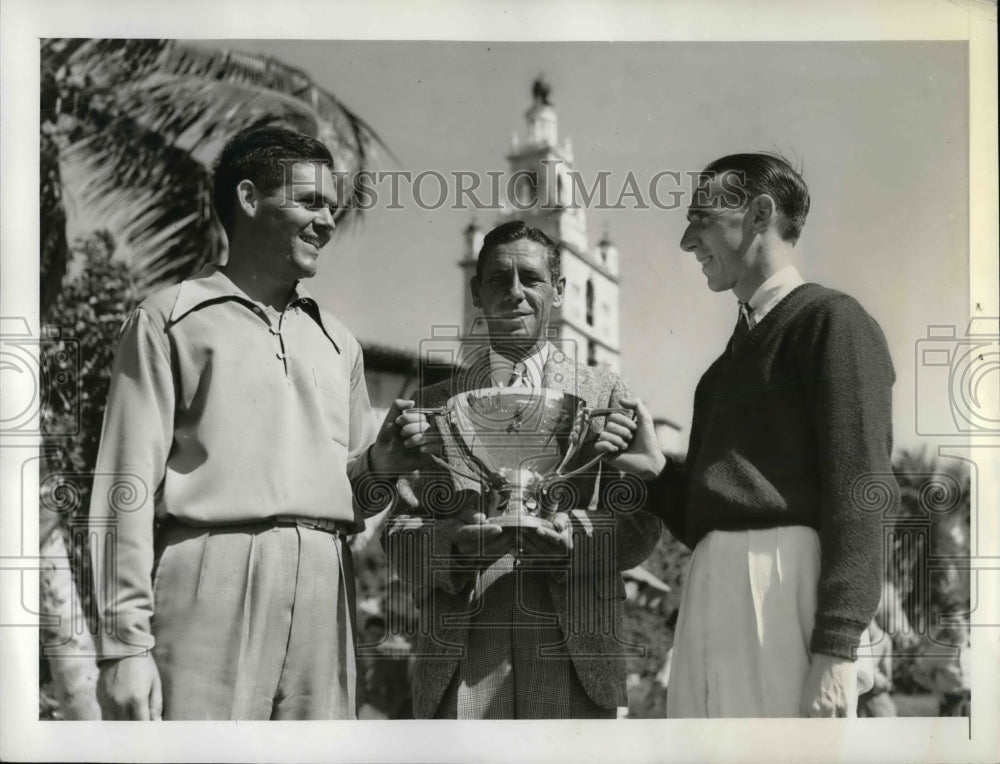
x: 518, y: 375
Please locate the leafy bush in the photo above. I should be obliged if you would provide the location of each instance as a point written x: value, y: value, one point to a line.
x: 81, y: 336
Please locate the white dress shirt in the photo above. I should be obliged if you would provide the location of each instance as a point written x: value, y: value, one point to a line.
x: 773, y: 291
x: 530, y: 369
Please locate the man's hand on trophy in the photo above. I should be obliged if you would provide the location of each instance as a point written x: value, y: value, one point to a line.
x: 481, y: 540
x: 556, y: 541
x: 404, y: 441
x: 619, y: 430
x: 634, y: 442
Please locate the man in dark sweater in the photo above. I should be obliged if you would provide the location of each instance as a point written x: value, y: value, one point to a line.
x: 790, y: 424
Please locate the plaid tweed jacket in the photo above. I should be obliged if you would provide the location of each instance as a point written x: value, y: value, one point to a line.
x: 611, y: 534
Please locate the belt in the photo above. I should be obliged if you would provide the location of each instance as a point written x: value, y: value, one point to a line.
x: 336, y: 527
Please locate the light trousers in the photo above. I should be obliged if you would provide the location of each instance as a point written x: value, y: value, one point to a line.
x: 741, y: 647
x: 254, y: 623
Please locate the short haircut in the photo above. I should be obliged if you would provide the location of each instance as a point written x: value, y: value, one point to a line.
x: 260, y: 154
x: 768, y: 174
x: 517, y: 230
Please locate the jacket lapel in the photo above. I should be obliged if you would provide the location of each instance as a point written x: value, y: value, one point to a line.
x: 559, y: 372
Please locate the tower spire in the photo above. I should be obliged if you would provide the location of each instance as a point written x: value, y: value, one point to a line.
x: 541, y: 117
x: 543, y: 169
x: 540, y: 91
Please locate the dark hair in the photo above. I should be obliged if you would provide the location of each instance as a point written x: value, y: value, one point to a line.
x: 260, y: 154
x: 517, y: 230
x: 768, y: 174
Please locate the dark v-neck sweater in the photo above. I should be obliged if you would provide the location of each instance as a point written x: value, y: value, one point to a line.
x: 793, y: 426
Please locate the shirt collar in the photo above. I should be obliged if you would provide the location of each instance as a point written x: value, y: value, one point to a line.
x: 211, y: 284
x: 771, y: 292
x: 501, y: 367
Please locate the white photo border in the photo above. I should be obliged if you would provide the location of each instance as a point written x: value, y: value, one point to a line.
x: 24, y: 737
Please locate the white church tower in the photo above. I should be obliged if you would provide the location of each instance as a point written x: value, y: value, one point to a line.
x: 542, y: 196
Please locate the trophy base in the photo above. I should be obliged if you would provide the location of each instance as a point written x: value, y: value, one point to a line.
x: 515, y: 521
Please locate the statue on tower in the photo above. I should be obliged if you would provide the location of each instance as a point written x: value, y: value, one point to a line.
x: 540, y: 91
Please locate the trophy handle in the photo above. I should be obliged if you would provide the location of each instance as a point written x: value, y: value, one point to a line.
x: 614, y: 410
x: 576, y: 440
x: 482, y: 476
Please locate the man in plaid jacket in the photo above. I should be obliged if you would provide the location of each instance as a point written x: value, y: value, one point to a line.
x: 535, y: 631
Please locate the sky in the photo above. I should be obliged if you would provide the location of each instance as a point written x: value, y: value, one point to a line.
x: 879, y: 130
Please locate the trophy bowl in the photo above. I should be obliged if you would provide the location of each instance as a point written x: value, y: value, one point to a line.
x: 518, y: 442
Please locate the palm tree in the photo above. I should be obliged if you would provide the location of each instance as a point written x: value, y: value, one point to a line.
x: 143, y: 120
x: 140, y: 122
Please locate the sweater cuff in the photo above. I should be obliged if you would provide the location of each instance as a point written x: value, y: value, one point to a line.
x: 838, y: 637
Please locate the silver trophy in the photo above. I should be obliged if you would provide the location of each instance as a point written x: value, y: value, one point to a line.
x: 520, y: 443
